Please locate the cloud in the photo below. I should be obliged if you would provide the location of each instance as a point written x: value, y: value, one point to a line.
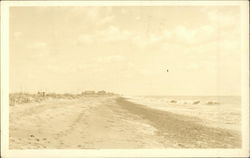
x: 17, y: 34
x: 62, y: 68
x: 98, y: 15
x: 179, y: 35
x: 138, y: 18
x: 37, y: 45
x: 113, y: 33
x: 124, y: 11
x: 92, y: 12
x: 109, y: 34
x: 39, y: 49
x: 106, y: 20
x: 217, y: 25
x: 85, y: 38
x: 221, y: 17
x: 109, y: 59
x: 189, y: 36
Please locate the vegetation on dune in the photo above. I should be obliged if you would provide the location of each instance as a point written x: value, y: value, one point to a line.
x: 21, y: 98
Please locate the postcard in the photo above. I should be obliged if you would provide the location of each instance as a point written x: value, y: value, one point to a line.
x: 124, y: 79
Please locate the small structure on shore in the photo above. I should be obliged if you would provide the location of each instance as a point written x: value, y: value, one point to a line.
x: 212, y: 103
x: 173, y: 101
x: 196, y: 102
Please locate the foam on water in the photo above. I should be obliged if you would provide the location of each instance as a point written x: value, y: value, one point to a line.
x: 222, y: 111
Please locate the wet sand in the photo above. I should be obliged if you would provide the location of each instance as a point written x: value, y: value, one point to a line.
x: 184, y: 131
x: 108, y: 122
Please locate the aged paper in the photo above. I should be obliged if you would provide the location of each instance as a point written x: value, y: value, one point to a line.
x: 124, y: 79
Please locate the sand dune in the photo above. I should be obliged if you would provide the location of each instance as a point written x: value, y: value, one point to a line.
x: 108, y: 122
x: 90, y: 122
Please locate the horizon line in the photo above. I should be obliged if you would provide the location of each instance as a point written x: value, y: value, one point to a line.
x: 149, y: 95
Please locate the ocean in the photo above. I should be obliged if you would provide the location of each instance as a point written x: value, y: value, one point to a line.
x: 214, y: 111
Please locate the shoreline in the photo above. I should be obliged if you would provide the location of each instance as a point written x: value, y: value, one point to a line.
x: 186, y: 131
x: 214, y: 112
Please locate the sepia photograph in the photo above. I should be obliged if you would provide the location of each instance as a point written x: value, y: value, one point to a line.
x: 124, y: 76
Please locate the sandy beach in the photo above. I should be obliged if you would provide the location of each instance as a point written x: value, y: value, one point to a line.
x: 108, y: 122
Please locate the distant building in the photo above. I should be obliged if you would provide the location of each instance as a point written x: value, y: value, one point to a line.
x: 101, y: 92
x: 41, y: 93
x: 88, y: 93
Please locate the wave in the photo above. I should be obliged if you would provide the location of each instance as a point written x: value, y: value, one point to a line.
x: 214, y: 111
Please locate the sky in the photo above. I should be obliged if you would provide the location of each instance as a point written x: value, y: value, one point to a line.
x: 151, y: 50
